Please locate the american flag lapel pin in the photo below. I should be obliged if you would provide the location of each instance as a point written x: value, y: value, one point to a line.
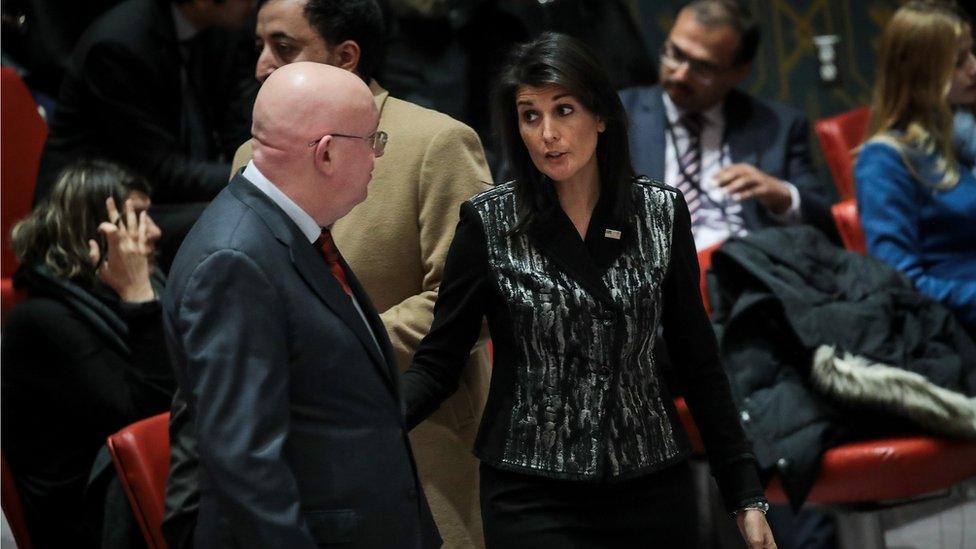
x: 612, y: 233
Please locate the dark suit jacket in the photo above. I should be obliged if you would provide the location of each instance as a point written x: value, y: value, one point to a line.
x: 296, y: 410
x: 122, y: 99
x: 767, y: 135
x: 78, y: 365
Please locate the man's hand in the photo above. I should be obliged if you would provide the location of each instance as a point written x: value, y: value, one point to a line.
x: 755, y: 530
x: 744, y: 181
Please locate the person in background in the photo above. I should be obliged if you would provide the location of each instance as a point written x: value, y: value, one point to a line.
x: 964, y: 135
x: 395, y: 241
x: 444, y: 54
x: 741, y: 162
x: 576, y: 263
x: 915, y: 193
x: 83, y: 355
x: 158, y: 87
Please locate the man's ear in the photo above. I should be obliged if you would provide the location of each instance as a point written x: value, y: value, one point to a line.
x: 323, y: 158
x: 346, y: 55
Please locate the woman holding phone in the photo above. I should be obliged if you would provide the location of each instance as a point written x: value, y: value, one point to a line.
x: 83, y: 355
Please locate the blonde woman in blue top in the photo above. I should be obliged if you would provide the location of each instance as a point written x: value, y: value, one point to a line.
x: 916, y: 194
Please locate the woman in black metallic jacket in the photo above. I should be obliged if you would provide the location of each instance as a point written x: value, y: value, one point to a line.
x: 576, y: 264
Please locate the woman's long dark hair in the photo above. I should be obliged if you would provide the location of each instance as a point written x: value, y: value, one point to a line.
x: 557, y: 59
x: 57, y: 231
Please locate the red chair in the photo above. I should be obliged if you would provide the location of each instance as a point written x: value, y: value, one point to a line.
x: 849, y: 225
x: 704, y: 262
x: 859, y: 480
x: 838, y: 136
x: 13, y: 508
x: 894, y: 469
x: 22, y: 132
x: 887, y: 473
x: 141, y: 456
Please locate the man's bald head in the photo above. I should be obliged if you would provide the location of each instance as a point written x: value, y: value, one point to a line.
x: 298, y: 110
x: 302, y: 101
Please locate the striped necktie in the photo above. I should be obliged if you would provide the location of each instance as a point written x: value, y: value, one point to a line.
x: 331, y: 255
x: 689, y: 163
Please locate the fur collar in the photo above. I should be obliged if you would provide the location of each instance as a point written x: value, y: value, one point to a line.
x: 857, y: 380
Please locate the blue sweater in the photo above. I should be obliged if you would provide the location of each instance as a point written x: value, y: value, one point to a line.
x: 927, y: 234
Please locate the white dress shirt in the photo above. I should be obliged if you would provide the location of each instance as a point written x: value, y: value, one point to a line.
x: 184, y: 29
x: 305, y: 223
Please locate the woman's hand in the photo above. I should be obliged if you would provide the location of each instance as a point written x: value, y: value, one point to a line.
x: 127, y: 262
x: 755, y: 530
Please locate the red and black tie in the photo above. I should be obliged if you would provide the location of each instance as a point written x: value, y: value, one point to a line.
x: 326, y: 244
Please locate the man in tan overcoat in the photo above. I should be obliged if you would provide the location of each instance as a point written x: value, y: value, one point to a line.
x: 397, y: 239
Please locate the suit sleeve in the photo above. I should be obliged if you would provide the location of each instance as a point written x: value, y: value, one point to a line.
x: 135, y: 130
x: 233, y: 332
x: 816, y: 197
x: 441, y: 356
x: 887, y: 197
x: 453, y: 170
x: 695, y: 355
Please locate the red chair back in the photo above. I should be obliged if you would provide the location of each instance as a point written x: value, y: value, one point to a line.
x: 838, y: 136
x: 141, y: 455
x: 886, y: 470
x: 704, y: 262
x: 849, y: 225
x: 22, y: 132
x: 13, y: 508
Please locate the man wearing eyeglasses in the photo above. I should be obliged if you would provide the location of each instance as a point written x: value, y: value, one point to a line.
x: 285, y: 368
x: 395, y: 242
x: 742, y: 163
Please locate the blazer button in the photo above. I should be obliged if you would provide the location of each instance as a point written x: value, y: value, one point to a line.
x: 782, y: 464
x: 744, y: 416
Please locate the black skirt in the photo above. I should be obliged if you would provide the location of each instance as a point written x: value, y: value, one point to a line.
x: 656, y: 510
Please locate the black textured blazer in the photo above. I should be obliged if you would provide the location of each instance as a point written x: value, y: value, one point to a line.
x: 576, y: 391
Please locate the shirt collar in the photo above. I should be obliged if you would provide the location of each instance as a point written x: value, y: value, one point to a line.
x: 714, y: 115
x: 184, y: 29
x: 305, y: 223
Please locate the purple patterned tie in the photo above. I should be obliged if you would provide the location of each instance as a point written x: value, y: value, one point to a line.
x: 689, y: 163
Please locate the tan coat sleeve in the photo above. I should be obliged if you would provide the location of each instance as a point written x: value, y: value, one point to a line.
x: 453, y: 170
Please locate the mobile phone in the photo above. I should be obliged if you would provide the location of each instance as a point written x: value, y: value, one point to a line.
x: 102, y: 250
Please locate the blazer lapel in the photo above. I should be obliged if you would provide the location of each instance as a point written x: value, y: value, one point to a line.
x: 318, y: 276
x: 555, y: 235
x: 312, y: 268
x: 656, y: 141
x: 739, y: 133
x: 375, y: 324
x: 744, y: 140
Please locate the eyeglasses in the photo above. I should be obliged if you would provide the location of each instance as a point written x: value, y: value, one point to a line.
x: 703, y: 71
x: 376, y: 141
